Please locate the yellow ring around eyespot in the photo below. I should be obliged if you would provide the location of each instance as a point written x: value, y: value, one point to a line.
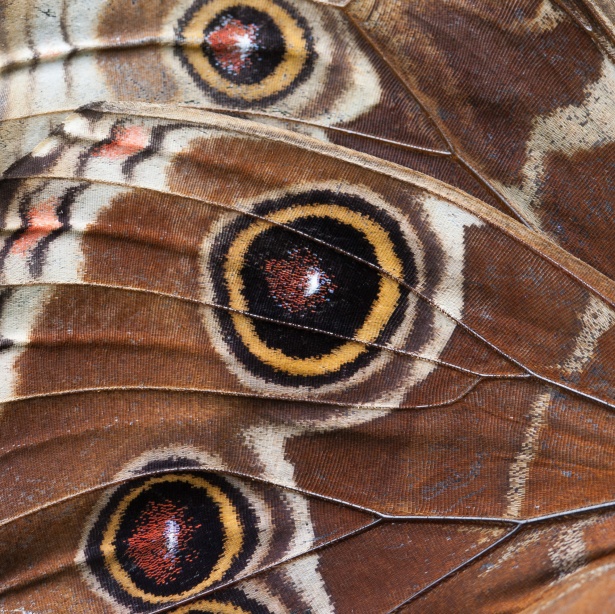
x: 231, y: 524
x: 286, y: 72
x: 378, y: 316
x: 213, y: 607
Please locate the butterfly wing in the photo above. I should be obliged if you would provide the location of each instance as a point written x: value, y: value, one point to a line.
x: 344, y: 90
x: 371, y: 377
x: 469, y: 407
x: 524, y: 96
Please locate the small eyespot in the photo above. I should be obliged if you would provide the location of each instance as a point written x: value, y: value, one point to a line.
x: 166, y: 538
x: 246, y: 51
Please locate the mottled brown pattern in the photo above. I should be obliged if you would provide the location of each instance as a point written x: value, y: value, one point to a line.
x: 486, y: 106
x: 574, y: 556
x: 453, y: 468
x: 577, y: 203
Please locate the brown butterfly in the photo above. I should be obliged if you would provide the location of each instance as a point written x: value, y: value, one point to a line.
x: 314, y: 312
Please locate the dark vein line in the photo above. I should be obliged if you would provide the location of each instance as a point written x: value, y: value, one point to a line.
x: 575, y: 16
x: 498, y: 520
x: 254, y: 478
x: 524, y: 522
x: 455, y: 154
x: 247, y: 314
x: 598, y: 14
x: 457, y: 569
x: 250, y: 395
x: 38, y: 114
x: 401, y: 282
x: 515, y: 213
x: 295, y: 120
x: 579, y: 511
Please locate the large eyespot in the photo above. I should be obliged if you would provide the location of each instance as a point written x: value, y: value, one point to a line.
x: 172, y: 535
x: 166, y: 538
x: 313, y: 266
x: 246, y: 51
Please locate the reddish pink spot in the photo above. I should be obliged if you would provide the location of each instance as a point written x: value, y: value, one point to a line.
x: 232, y: 43
x: 41, y: 221
x: 125, y: 142
x: 158, y: 545
x: 298, y: 283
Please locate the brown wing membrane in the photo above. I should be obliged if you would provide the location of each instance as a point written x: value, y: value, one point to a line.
x: 374, y: 571
x: 573, y: 557
x: 524, y: 94
x: 198, y: 308
x: 304, y: 65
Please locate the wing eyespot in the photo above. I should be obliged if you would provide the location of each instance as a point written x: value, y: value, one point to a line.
x: 166, y: 538
x: 313, y: 265
x: 246, y: 52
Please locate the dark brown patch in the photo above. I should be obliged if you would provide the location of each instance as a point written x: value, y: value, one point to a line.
x: 577, y: 204
x: 494, y: 74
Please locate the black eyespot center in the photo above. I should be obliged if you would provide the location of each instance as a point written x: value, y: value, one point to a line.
x: 246, y: 52
x: 314, y: 281
x: 164, y: 538
x: 243, y: 44
x: 289, y: 280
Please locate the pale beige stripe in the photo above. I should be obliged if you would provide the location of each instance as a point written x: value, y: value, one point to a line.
x: 597, y: 318
x: 520, y: 469
x: 568, y: 553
